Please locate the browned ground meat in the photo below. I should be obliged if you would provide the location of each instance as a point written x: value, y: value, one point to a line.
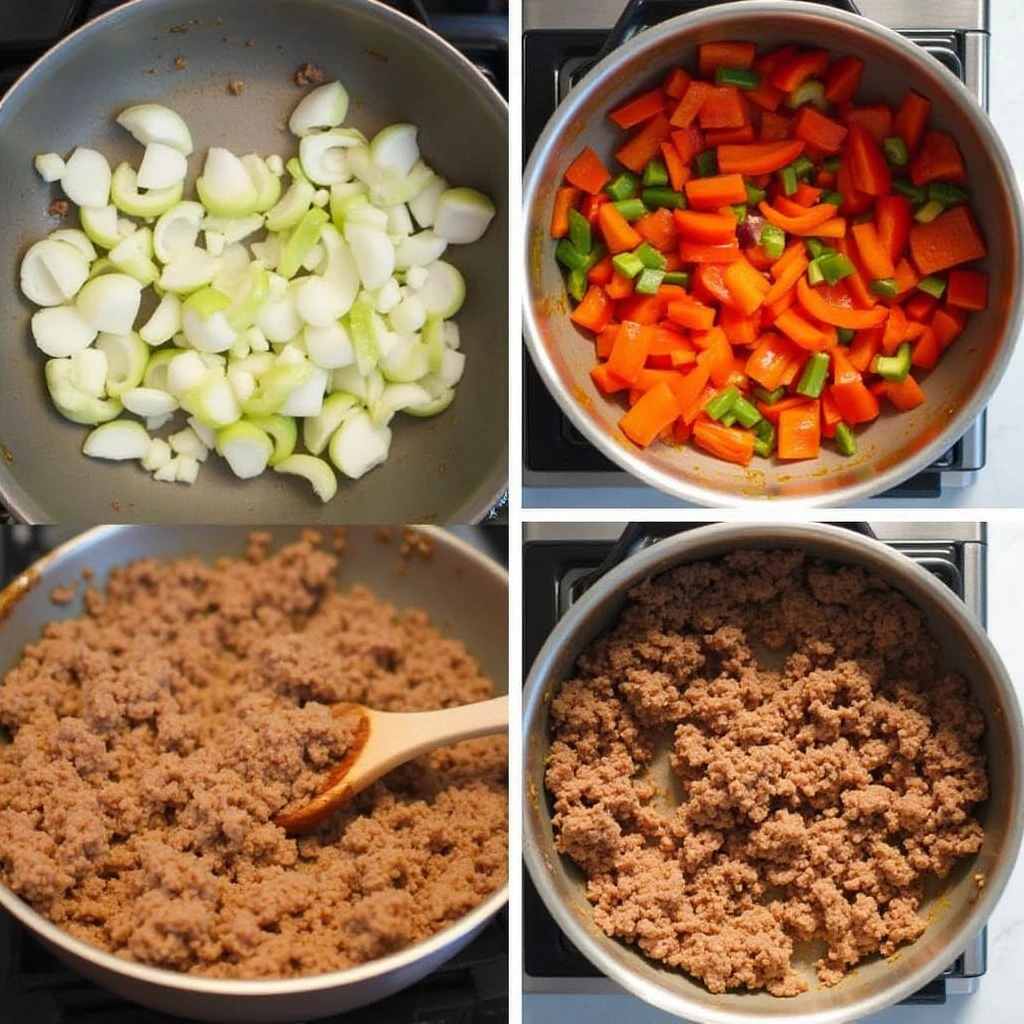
x: 154, y: 739
x: 812, y: 801
x: 308, y: 74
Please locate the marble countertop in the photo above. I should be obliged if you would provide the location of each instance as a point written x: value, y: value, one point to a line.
x: 998, y: 999
x: 999, y: 484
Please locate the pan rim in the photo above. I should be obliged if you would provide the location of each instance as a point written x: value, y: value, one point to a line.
x: 540, y: 686
x: 483, y: 496
x: 262, y: 988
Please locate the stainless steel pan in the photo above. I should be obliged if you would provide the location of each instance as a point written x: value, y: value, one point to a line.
x: 449, y: 468
x: 457, y: 586
x: 957, y: 912
x: 896, y: 446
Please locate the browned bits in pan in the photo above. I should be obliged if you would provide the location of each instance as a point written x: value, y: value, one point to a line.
x: 180, y: 63
x: 308, y: 74
x: 59, y: 208
x: 235, y: 87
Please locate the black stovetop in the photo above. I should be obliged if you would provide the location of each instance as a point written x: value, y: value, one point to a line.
x: 554, y: 572
x: 553, y: 60
x: 37, y: 988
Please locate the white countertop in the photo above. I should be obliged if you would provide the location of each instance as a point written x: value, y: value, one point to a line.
x: 999, y: 484
x: 998, y: 999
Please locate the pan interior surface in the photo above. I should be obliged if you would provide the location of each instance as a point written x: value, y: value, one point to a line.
x: 897, y: 445
x: 466, y: 595
x: 955, y: 910
x: 451, y: 467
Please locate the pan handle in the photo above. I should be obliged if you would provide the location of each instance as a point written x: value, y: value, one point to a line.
x: 636, y: 536
x: 643, y: 14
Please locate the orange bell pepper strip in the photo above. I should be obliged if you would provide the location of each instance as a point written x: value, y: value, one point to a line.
x: 676, y: 82
x: 775, y: 127
x: 906, y: 278
x: 911, y: 120
x: 868, y: 166
x: 920, y: 307
x: 843, y: 79
x: 948, y: 324
x: 855, y: 202
x: 938, y: 159
x: 689, y: 106
x: 643, y: 309
x: 654, y: 412
x: 639, y: 109
x: 595, y: 311
x: 629, y: 353
x: 792, y: 73
x: 746, y: 285
x: 730, y: 136
x: 758, y: 157
x: 926, y: 350
x: 698, y: 252
x: 834, y: 227
x: 893, y: 217
x: 605, y: 340
x: 793, y: 253
x: 806, y: 195
x: 723, y: 107
x: 605, y: 380
x: 818, y: 130
x: 843, y: 369
x: 601, y: 272
x: 658, y: 228
x: 874, y: 256
x: 645, y: 145
x: 877, y: 119
x: 678, y: 172
x: 772, y: 412
x: 766, y: 95
x: 905, y: 394
x: 692, y: 315
x: 895, y: 330
x: 706, y: 227
x: 739, y: 329
x: 687, y: 389
x: 565, y: 200
x: 726, y: 54
x: 967, y: 289
x: 800, y: 432
x: 717, y: 358
x: 718, y: 190
x: 793, y: 272
x: 619, y: 235
x: 587, y: 172
x: 856, y: 402
x: 830, y: 414
x: 805, y: 334
x: 816, y: 305
x: 804, y: 224
x: 651, y: 377
x: 767, y: 364
x: 727, y: 443
x: 952, y: 238
x: 620, y: 286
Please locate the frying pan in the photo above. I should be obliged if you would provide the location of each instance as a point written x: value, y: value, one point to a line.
x: 451, y: 467
x: 458, y: 586
x: 897, y: 445
x: 955, y: 913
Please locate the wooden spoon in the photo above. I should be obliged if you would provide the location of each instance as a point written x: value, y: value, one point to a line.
x: 386, y: 739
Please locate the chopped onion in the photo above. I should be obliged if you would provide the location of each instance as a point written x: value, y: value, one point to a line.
x: 359, y: 445
x: 177, y: 230
x: 127, y: 355
x: 119, y: 440
x: 185, y: 371
x: 165, y: 322
x: 125, y: 194
x: 148, y: 402
x: 110, y: 303
x: 189, y: 270
x: 86, y: 178
x: 394, y: 149
x: 266, y: 183
x: 420, y: 250
x: 318, y: 430
x: 161, y: 167
x: 444, y: 291
x: 53, y: 272
x: 423, y: 207
x: 324, y: 107
x: 133, y: 256
x: 463, y: 215
x: 50, y: 166
x: 150, y: 122
x: 100, y: 226
x: 225, y: 188
x: 322, y: 155
x: 89, y: 372
x: 61, y: 331
x: 373, y: 252
x: 316, y: 471
x: 77, y: 239
x: 246, y: 448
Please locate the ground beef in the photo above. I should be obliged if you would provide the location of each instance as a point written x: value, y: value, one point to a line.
x: 154, y: 739
x: 824, y: 768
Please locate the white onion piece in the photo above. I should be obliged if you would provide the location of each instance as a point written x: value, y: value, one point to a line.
x: 322, y: 156
x: 314, y: 258
x: 49, y: 269
x: 444, y: 291
x: 420, y: 250
x: 86, y: 178
x: 165, y: 322
x: 225, y: 188
x: 188, y: 469
x: 242, y: 382
x: 185, y: 372
x: 150, y: 122
x: 61, y: 331
x: 315, y: 302
x: 77, y: 239
x: 110, y: 303
x: 424, y: 206
x: 395, y: 398
x: 89, y: 372
x: 100, y: 226
x: 119, y: 440
x: 158, y: 454
x: 463, y: 215
x: 50, y: 166
x: 416, y: 277
x: 324, y: 107
x: 453, y: 365
x: 329, y: 346
x: 279, y: 320
x: 234, y: 229
x: 204, y: 322
x: 308, y: 398
x: 186, y: 442
x: 275, y: 165
x: 316, y: 471
x: 339, y: 268
x: 266, y: 183
x: 71, y: 403
x: 125, y: 194
x: 167, y: 473
x: 373, y: 252
x: 246, y: 448
x: 127, y: 356
x: 387, y: 296
x: 318, y: 430
x: 395, y: 149
x: 359, y: 445
x: 148, y: 402
x: 213, y: 403
x: 161, y: 167
x: 133, y: 256
x: 177, y: 230
x: 408, y: 316
x: 189, y: 270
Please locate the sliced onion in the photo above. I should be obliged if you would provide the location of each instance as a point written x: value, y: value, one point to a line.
x: 185, y: 371
x: 314, y: 302
x: 133, y: 256
x: 283, y: 431
x: 165, y: 322
x: 119, y: 440
x: 110, y: 303
x: 50, y: 166
x: 52, y: 272
x: 308, y: 398
x: 408, y: 316
x: 420, y: 250
x: 406, y: 362
x: 329, y: 346
x: 61, y: 331
x: 71, y: 403
x: 161, y: 167
x: 359, y: 445
x: 204, y: 321
x: 266, y: 183
x: 233, y: 229
x: 89, y: 372
x: 444, y: 291
x: 86, y: 178
x: 100, y: 226
x: 177, y: 230
x: 316, y: 471
x: 373, y: 252
x: 246, y: 448
x: 189, y: 270
x: 148, y: 402
x: 322, y: 155
x: 394, y: 149
x: 213, y: 403
x: 77, y: 239
x: 274, y: 386
x: 395, y: 398
x: 127, y: 355
x: 424, y: 206
x: 125, y: 194
x: 150, y: 122
x: 437, y: 404
x: 300, y: 241
x: 463, y: 215
x: 339, y: 268
x: 318, y: 430
x: 324, y: 107
x: 225, y: 188
x: 292, y: 206
x: 279, y: 320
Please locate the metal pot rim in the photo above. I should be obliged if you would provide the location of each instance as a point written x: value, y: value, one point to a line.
x: 672, y: 483
x: 662, y: 557
x: 252, y: 989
